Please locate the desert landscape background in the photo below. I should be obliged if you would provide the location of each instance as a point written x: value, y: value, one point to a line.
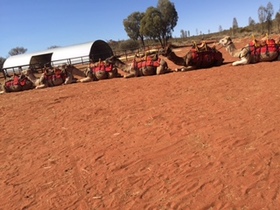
x: 204, y: 139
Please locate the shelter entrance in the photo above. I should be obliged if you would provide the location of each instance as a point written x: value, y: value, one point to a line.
x: 41, y: 61
x: 100, y: 50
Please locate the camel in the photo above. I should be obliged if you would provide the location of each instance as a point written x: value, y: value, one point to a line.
x: 142, y: 65
x: 99, y: 71
x: 50, y: 78
x: 16, y: 83
x: 199, y: 56
x: 256, y: 51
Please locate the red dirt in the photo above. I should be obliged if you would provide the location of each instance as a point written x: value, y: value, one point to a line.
x: 206, y: 139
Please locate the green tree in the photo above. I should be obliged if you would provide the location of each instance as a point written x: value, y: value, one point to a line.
x: 269, y: 14
x: 158, y: 23
x: 169, y: 18
x: 17, y: 51
x: 132, y: 26
x: 252, y: 24
x: 262, y: 16
x: 277, y: 17
x: 183, y: 34
x: 234, y: 26
x: 151, y: 24
x: 2, y: 60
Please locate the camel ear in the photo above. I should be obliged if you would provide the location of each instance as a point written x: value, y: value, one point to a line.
x: 228, y: 38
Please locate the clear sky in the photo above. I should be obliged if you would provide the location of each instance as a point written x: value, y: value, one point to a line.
x: 39, y: 24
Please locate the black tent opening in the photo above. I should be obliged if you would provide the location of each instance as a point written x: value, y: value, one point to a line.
x: 100, y: 50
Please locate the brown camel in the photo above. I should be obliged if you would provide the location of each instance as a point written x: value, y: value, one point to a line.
x: 199, y: 56
x: 99, y: 71
x: 50, y: 78
x: 146, y: 65
x: 16, y: 83
x: 256, y: 51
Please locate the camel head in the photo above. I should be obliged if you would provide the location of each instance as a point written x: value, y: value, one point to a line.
x: 114, y: 60
x: 26, y: 72
x: 88, y: 72
x: 66, y: 68
x: 226, y: 41
x: 166, y: 51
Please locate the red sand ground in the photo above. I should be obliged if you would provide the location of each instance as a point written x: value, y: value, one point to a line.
x: 206, y: 139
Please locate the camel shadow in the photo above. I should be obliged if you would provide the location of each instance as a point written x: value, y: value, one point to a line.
x: 205, y: 68
x: 226, y: 63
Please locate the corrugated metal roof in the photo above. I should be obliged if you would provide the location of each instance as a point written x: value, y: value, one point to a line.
x: 72, y: 51
x: 17, y: 60
x: 60, y: 54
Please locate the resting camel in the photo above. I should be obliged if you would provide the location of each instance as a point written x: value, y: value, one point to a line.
x: 50, y: 78
x: 199, y: 56
x: 99, y: 71
x: 257, y: 51
x: 144, y: 65
x: 16, y: 83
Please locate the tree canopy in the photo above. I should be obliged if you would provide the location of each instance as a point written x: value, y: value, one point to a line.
x: 132, y: 26
x: 234, y: 25
x: 265, y: 16
x: 156, y: 23
x: 269, y: 14
x: 151, y: 23
x: 17, y: 51
x: 277, y: 17
x: 2, y: 60
x: 169, y: 16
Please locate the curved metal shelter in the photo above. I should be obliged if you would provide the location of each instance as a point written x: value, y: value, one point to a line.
x: 75, y: 54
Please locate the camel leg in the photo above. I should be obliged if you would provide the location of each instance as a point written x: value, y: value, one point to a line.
x: 87, y: 79
x: 41, y: 86
x: 163, y: 69
x: 2, y: 89
x: 114, y: 74
x: 160, y: 70
x: 68, y: 80
x: 133, y: 73
x: 186, y: 68
x: 242, y: 61
x: 129, y: 75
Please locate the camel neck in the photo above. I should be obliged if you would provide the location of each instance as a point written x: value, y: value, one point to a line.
x: 176, y: 59
x: 231, y: 49
x: 124, y: 67
x: 32, y: 77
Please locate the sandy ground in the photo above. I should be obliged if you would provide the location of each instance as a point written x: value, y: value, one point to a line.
x: 206, y: 139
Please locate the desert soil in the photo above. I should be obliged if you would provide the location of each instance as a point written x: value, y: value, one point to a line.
x: 205, y: 139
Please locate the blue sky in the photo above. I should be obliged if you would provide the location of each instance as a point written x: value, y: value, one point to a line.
x: 39, y: 24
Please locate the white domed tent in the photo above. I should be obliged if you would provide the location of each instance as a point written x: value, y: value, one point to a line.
x: 75, y: 54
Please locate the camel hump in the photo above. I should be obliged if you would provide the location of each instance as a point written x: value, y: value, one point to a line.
x: 148, y: 55
x: 263, y: 41
x: 203, y: 46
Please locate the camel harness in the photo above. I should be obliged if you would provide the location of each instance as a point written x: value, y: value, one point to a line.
x: 102, y: 66
x: 16, y: 81
x: 203, y: 58
x: 146, y: 61
x: 257, y: 49
x: 54, y: 75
